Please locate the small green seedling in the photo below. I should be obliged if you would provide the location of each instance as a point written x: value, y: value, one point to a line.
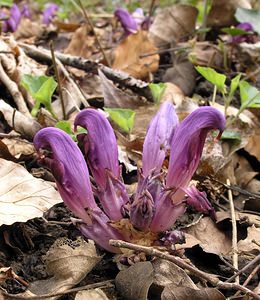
x: 66, y: 126
x: 41, y: 88
x: 157, y: 90
x: 124, y: 118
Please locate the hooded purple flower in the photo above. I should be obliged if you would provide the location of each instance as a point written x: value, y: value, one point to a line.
x: 49, y: 12
x: 246, y: 37
x: 159, y: 199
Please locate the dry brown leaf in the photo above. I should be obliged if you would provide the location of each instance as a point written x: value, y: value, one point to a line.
x: 28, y: 28
x: 244, y: 172
x: 253, y: 146
x: 182, y: 74
x: 204, y: 231
x: 23, y: 197
x: 18, y: 147
x: 68, y: 262
x: 247, y: 245
x: 172, y: 24
x: 127, y: 56
x: 183, y: 293
x: 173, y: 94
x: 216, y: 17
x: 96, y: 294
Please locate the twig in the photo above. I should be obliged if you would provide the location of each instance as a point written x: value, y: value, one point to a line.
x: 58, y: 80
x: 247, y: 266
x: 151, y: 8
x: 122, y: 78
x: 88, y: 19
x: 14, y: 91
x: 179, y: 262
x: 234, y: 231
x: 251, y: 275
x: 103, y: 284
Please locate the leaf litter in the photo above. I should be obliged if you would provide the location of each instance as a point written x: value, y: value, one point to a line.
x: 41, y: 251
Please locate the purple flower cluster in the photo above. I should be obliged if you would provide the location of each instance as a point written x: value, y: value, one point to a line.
x: 246, y: 37
x: 161, y: 197
x: 13, y: 21
x: 49, y: 12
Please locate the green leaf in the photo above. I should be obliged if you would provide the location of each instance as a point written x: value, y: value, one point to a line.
x: 234, y: 85
x: 234, y: 31
x: 6, y: 3
x: 124, y: 118
x: 231, y: 135
x: 157, y: 90
x: 249, y: 95
x: 250, y: 16
x: 41, y: 88
x: 66, y: 126
x: 214, y: 77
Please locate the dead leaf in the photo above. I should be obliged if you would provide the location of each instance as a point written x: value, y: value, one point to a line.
x: 247, y: 245
x: 204, y: 230
x: 182, y: 293
x: 244, y: 172
x: 172, y: 24
x: 216, y: 17
x: 134, y: 283
x: 253, y: 146
x: 173, y: 94
x: 68, y: 262
x: 18, y: 147
x: 27, y: 29
x: 115, y: 97
x: 22, y: 196
x: 128, y: 56
x: 182, y: 74
x: 96, y: 294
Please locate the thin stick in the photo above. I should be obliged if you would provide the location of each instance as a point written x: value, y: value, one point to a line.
x: 88, y: 19
x: 214, y: 94
x: 247, y: 266
x: 151, y: 8
x: 103, y: 284
x: 58, y: 80
x: 234, y: 230
x: 179, y: 262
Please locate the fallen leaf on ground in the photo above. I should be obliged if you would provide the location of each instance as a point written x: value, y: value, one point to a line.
x: 128, y: 56
x: 96, y: 294
x: 18, y: 147
x: 67, y: 262
x: 253, y: 146
x: 23, y: 196
x: 204, y: 231
x: 172, y: 24
x: 247, y: 245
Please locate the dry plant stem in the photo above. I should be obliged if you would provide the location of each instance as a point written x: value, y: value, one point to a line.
x: 138, y: 86
x: 234, y: 231
x: 182, y: 264
x: 247, y: 266
x: 14, y: 91
x: 251, y: 275
x: 103, y: 284
x: 88, y: 19
x: 58, y: 80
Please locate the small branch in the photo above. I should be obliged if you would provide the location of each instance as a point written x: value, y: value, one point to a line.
x: 88, y: 19
x: 234, y: 230
x: 123, y: 79
x: 103, y: 284
x: 58, y: 80
x: 247, y: 266
x: 179, y: 262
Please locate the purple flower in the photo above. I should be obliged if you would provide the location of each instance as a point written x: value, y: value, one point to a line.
x: 132, y: 22
x: 246, y: 37
x: 49, y: 12
x: 12, y: 23
x: 160, y: 198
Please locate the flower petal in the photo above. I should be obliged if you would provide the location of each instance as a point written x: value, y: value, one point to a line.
x: 198, y: 200
x: 127, y: 20
x: 99, y: 144
x: 157, y: 140
x: 68, y: 167
x: 49, y: 12
x: 99, y: 230
x: 187, y: 144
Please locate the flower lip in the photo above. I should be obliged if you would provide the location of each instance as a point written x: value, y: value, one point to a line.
x: 127, y: 21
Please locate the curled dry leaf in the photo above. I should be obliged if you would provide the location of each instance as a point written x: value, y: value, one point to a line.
x: 96, y: 294
x: 128, y: 56
x: 173, y: 24
x: 18, y: 147
x: 27, y: 127
x: 253, y: 145
x: 182, y: 293
x: 204, y: 230
x: 252, y: 241
x: 68, y: 262
x: 23, y: 197
x: 134, y: 283
x: 216, y: 17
